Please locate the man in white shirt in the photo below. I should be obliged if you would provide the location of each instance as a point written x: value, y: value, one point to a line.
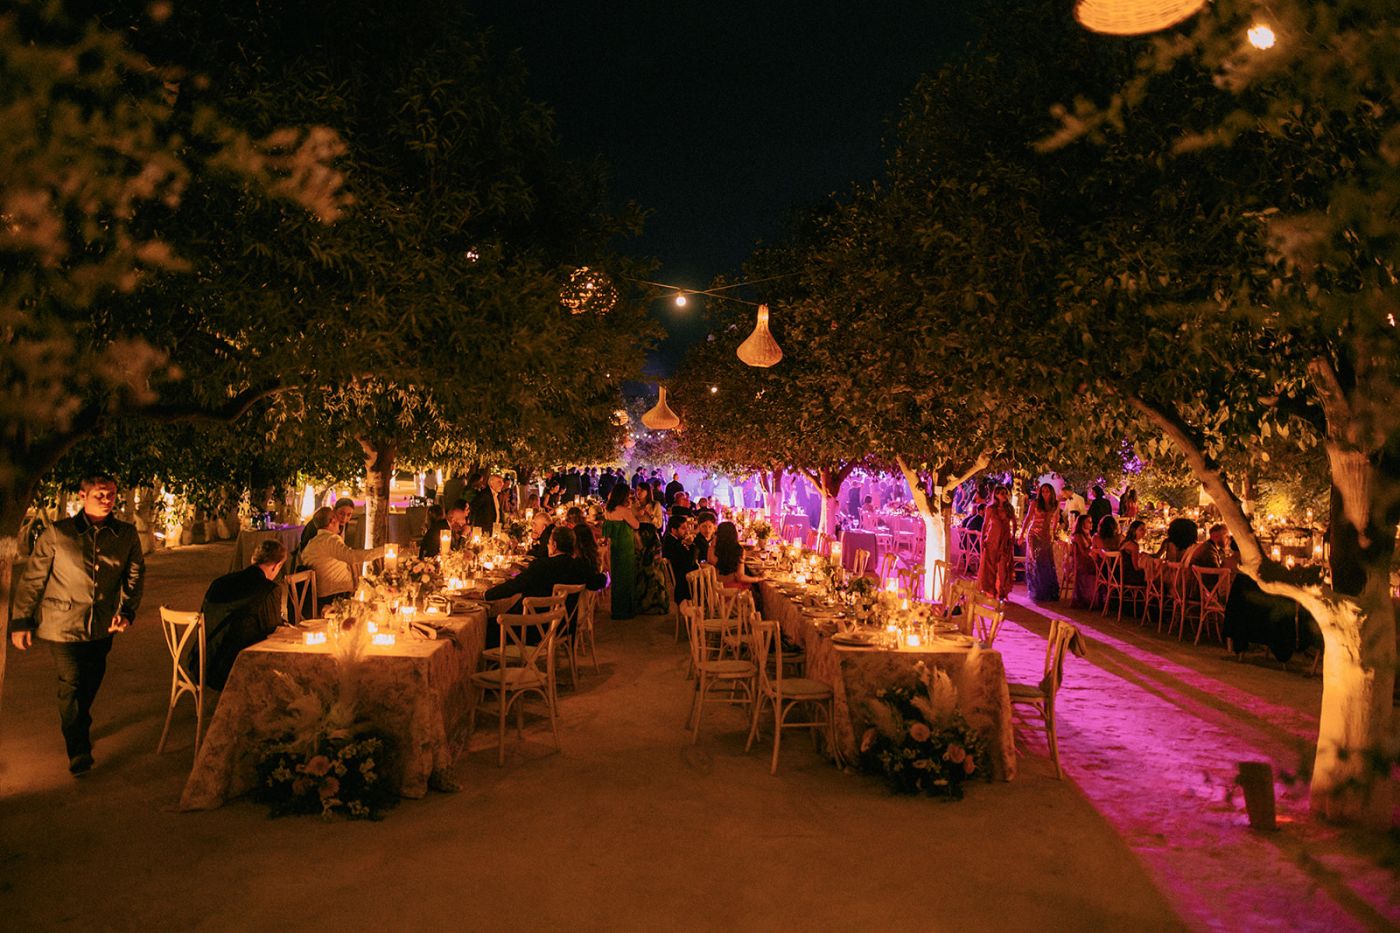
x: 487, y: 508
x: 335, y: 563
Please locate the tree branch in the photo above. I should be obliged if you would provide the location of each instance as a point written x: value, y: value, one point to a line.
x: 229, y: 411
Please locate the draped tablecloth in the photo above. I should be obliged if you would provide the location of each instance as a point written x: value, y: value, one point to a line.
x: 856, y: 674
x: 250, y: 538
x: 794, y: 527
x: 851, y: 540
x: 417, y: 692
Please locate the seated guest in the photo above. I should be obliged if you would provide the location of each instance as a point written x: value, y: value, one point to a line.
x: 729, y: 558
x: 240, y: 609
x: 540, y: 528
x: 683, y: 503
x: 678, y: 548
x: 1181, y: 537
x: 1106, y: 537
x: 455, y: 522
x: 1213, y: 551
x: 538, y: 579
x: 436, y: 524
x: 1132, y: 571
x: 574, y: 517
x: 336, y: 565
x: 704, y: 538
x: 586, y: 547
x: 345, y: 511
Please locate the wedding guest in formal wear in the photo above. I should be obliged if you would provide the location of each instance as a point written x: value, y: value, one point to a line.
x: 1128, y: 504
x: 703, y: 545
x: 647, y: 509
x: 677, y: 547
x: 488, y: 509
x: 1099, y: 506
x: 1181, y: 538
x: 620, y: 528
x: 540, y: 578
x: 80, y: 586
x: 1106, y: 535
x: 240, y: 609
x: 586, y: 547
x: 996, y: 571
x: 1042, y: 518
x: 540, y: 529
x: 345, y: 514
x: 454, y: 521
x: 1133, y: 573
x: 336, y: 565
x: 1082, y: 564
x: 673, y: 487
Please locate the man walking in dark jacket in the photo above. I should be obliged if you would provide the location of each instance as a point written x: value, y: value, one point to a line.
x: 81, y: 586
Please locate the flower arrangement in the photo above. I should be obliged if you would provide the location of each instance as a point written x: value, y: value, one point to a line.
x: 517, y: 530
x: 920, y: 742
x: 761, y: 530
x: 862, y: 587
x: 336, y: 775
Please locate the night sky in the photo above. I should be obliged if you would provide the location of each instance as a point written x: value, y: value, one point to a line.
x: 724, y: 118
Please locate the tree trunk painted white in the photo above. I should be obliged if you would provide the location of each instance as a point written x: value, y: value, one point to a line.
x: 379, y: 477
x: 938, y: 524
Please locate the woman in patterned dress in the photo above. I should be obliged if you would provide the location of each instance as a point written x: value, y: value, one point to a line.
x: 997, y: 570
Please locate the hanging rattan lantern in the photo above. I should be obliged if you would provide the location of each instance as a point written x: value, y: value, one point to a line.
x: 1133, y: 17
x: 661, y: 418
x: 759, y: 348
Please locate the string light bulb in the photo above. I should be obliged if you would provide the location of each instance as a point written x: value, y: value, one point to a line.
x: 1261, y: 36
x: 714, y: 390
x: 681, y: 299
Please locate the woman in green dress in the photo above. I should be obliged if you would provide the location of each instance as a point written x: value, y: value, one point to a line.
x: 620, y: 528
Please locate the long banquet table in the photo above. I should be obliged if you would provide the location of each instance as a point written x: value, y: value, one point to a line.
x: 417, y: 691
x: 856, y: 674
x: 250, y: 538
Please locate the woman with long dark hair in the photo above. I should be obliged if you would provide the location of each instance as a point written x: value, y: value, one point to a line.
x: 1082, y: 565
x: 729, y: 558
x: 1041, y: 519
x: 620, y: 528
x: 997, y: 569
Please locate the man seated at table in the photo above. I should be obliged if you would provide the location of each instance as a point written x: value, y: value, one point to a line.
x: 336, y: 565
x: 1213, y: 551
x: 705, y: 523
x: 539, y: 579
x: 240, y: 609
x: 678, y: 548
x: 683, y: 503
x: 541, y: 529
x: 455, y: 521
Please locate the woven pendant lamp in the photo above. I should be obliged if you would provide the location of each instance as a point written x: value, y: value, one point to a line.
x: 759, y: 348
x: 661, y: 418
x: 1133, y: 17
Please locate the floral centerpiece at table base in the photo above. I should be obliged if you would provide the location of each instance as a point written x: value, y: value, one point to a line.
x: 919, y: 740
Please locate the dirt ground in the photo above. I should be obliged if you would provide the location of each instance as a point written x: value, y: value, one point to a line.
x: 631, y: 827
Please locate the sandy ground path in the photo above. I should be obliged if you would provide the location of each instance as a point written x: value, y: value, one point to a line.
x: 629, y: 828
x: 1152, y: 731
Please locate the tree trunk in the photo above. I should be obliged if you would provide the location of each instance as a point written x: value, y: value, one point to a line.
x: 772, y: 483
x: 14, y: 503
x: 379, y: 477
x: 937, y: 511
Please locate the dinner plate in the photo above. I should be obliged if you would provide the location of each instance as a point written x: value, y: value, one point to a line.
x: 852, y: 640
x: 962, y: 641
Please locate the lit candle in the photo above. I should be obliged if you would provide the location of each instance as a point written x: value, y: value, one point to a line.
x: 313, y: 638
x: 836, y: 552
x: 1276, y: 552
x: 383, y: 638
x: 391, y: 556
x: 913, y: 640
x: 904, y: 604
x: 892, y: 586
x: 432, y: 610
x: 409, y: 613
x: 1290, y: 563
x: 445, y: 542
x: 1317, y: 552
x: 372, y: 627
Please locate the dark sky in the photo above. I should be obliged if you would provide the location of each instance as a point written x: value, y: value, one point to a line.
x: 723, y: 118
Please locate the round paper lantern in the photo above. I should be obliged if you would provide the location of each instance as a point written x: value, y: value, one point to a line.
x: 588, y: 290
x: 759, y: 348
x: 1133, y: 17
x: 661, y: 418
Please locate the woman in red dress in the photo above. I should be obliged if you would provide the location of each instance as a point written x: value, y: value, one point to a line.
x: 997, y: 570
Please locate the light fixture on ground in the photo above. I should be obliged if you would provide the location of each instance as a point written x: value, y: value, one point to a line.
x: 661, y: 418
x: 759, y: 348
x: 1133, y: 17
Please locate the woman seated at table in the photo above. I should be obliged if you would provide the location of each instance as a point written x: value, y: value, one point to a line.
x: 1081, y: 544
x: 729, y: 558
x: 1106, y: 536
x: 1181, y: 537
x: 1132, y: 572
x: 647, y: 509
x: 586, y: 547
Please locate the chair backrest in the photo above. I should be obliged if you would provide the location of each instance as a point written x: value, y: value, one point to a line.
x: 570, y: 606
x: 1110, y: 567
x: 668, y: 579
x: 889, y: 563
x: 823, y: 544
x: 299, y: 587
x: 179, y: 626
x: 517, y: 631
x: 942, y: 579
x: 530, y: 605
x: 987, y: 616
x: 726, y: 621
x: 704, y: 588
x: 1214, y: 584
x: 810, y: 542
x: 859, y: 562
x: 1061, y: 634
x: 1173, y: 579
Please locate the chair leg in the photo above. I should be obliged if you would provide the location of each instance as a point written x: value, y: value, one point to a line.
x: 553, y: 705
x: 198, y: 717
x: 753, y: 723
x: 501, y: 728
x: 1054, y: 745
x: 830, y: 708
x: 169, y: 714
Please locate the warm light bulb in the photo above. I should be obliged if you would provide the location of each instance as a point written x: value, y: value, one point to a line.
x: 1261, y: 36
x: 680, y: 300
x: 714, y: 389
